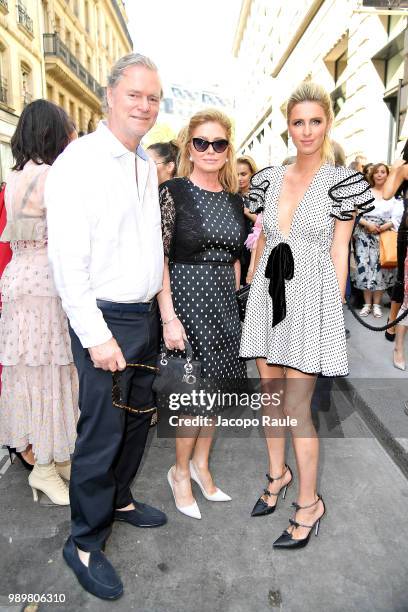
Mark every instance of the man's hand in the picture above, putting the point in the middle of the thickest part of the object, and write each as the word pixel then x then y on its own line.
pixel 108 356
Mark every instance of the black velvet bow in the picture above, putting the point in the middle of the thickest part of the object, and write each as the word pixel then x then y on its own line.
pixel 280 267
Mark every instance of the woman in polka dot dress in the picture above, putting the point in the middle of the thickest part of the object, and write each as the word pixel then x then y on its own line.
pixel 203 235
pixel 294 323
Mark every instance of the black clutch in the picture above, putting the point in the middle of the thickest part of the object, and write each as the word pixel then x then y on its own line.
pixel 177 374
pixel 242 299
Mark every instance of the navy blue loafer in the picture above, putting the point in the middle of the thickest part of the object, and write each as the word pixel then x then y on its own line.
pixel 142 516
pixel 99 578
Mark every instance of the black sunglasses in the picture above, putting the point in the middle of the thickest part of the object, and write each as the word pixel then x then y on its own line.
pixel 202 145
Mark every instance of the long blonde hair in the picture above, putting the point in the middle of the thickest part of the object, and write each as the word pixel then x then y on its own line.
pixel 312 92
pixel 228 173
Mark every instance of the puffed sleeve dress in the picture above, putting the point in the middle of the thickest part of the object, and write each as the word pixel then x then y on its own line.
pixel 294 315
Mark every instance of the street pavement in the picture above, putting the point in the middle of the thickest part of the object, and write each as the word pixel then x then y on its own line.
pixel 225 562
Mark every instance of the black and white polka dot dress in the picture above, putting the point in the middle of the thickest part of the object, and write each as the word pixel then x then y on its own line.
pixel 294 315
pixel 203 234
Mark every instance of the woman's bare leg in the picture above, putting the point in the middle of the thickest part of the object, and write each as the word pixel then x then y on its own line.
pixel 399 353
pixel 185 441
pixel 393 315
pixel 368 296
pixel 377 295
pixel 299 392
pixel 272 381
pixel 201 457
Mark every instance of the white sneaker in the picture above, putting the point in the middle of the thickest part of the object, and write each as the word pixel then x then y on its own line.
pixel 192 510
pixel 365 311
pixel 218 496
pixel 377 312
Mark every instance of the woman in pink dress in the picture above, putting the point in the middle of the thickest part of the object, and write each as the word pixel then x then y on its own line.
pixel 39 399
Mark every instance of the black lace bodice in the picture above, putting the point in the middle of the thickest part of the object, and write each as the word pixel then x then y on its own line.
pixel 200 226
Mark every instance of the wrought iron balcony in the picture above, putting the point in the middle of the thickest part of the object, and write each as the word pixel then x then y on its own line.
pixel 3 90
pixel 23 17
pixel 53 45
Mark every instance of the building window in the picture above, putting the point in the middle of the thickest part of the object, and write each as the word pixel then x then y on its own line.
pixel 72 110
pixel 26 84
pixel 394 70
pixel 107 36
pixel 336 60
pixel 50 92
pixel 285 137
pixel 167 106
pixel 24 18
pixel 68 39
pixel 87 15
pixel 260 136
pixel 61 100
pixel 3 80
pixel 80 120
pixel 340 65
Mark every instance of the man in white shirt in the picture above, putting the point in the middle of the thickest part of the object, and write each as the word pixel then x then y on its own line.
pixel 106 250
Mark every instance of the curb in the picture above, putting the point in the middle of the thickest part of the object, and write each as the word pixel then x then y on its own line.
pixel 394 449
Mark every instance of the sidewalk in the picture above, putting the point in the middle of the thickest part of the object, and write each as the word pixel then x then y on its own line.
pixel 380 391
pixel 225 562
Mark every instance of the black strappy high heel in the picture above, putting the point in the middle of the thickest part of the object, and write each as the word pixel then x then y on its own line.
pixel 261 508
pixel 287 541
pixel 12 451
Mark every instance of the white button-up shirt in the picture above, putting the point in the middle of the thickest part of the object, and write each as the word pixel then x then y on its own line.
pixel 104 229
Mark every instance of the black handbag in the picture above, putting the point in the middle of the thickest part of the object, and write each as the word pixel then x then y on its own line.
pixel 177 374
pixel 242 299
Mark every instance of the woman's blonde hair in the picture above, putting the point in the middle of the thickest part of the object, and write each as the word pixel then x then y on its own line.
pixel 312 92
pixel 228 173
pixel 246 159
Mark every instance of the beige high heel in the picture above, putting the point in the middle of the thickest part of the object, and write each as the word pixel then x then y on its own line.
pixel 45 478
pixel 64 470
pixel 400 365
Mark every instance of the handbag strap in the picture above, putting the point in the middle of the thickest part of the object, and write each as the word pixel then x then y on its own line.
pixel 187 347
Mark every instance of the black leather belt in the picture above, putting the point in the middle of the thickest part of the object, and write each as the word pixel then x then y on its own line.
pixel 126 307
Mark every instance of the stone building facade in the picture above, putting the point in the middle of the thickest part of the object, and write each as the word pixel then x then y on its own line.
pixel 60 50
pixel 358 53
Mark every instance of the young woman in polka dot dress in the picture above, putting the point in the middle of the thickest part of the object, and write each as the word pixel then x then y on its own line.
pixel 203 236
pixel 294 321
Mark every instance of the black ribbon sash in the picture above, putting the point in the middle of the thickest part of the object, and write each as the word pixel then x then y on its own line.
pixel 280 267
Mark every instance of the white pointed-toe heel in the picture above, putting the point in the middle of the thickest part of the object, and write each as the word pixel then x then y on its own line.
pixel 193 511
pixel 218 496
pixel 400 365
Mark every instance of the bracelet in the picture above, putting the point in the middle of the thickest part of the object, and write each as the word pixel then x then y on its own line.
pixel 170 320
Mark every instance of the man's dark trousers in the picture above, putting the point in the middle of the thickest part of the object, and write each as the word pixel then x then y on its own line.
pixel 110 440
